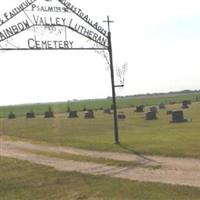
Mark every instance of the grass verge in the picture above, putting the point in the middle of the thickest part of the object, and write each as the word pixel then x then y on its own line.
pixel 21 180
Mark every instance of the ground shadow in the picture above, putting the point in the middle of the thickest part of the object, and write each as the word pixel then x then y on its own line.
pixel 140 155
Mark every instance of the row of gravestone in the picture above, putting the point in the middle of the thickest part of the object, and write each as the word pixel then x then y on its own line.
pixel 72 114
pixel 49 114
pixel 152 114
pixel 177 116
pixel 140 108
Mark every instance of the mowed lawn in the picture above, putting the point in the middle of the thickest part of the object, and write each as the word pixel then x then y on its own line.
pixel 159 137
pixel 20 180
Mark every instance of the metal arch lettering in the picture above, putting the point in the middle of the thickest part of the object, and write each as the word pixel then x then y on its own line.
pixel 14 30
pixel 81 15
pixel 11 14
pixel 24 25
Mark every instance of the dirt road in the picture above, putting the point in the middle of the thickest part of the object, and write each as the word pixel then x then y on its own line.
pixel 176 171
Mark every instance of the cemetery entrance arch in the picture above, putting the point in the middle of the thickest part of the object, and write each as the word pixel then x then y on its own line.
pixel 56 25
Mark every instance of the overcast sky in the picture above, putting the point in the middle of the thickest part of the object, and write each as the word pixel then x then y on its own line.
pixel 160 41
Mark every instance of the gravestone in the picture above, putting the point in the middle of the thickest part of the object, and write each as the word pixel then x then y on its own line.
pixel 30 115
pixel 73 114
pixel 11 115
pixel 89 114
pixel 154 109
pixel 139 108
pixel 121 116
pixel 49 114
pixel 177 116
pixel 151 116
pixel 162 106
pixel 185 104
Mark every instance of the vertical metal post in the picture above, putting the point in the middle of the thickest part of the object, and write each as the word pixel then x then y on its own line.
pixel 113 89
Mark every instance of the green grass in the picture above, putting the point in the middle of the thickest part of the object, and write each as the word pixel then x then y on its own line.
pixel 157 137
pixel 96 104
pixel 20 180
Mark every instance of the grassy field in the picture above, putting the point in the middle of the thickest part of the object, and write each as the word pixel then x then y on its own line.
pixel 159 137
pixel 20 180
pixel 97 104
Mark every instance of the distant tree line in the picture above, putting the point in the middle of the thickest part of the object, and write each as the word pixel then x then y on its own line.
pixel 160 93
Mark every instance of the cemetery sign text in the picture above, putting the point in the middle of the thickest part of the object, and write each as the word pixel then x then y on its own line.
pixel 65 17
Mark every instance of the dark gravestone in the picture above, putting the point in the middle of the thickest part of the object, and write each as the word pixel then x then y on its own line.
pixel 11 115
pixel 139 108
pixel 151 116
pixel 121 116
pixel 161 106
pixel 177 116
pixel 30 115
pixel 89 114
pixel 185 104
pixel 108 111
pixel 73 114
pixel 48 114
pixel 154 109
